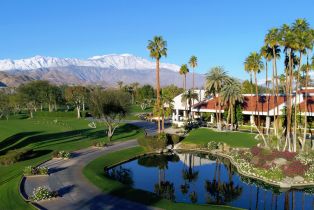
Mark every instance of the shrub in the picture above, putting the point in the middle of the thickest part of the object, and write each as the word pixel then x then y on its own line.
pixel 152 143
pixel 295 168
pixel 98 144
pixel 13 156
pixel 256 150
pixel 43 193
pixel 29 170
pixel 285 154
pixel 61 154
pixel 212 145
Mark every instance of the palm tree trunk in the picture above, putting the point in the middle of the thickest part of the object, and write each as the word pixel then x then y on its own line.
pixel 257 99
pixel 295 107
pixel 267 127
pixel 232 117
pixel 276 119
pixel 184 81
pixel 251 94
pixel 158 93
pixel 289 104
pixel 219 113
pixel 305 102
pixel 229 112
pixel 193 80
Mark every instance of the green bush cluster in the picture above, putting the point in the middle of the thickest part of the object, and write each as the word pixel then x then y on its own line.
pixel 30 170
pixel 61 154
pixel 212 145
pixel 43 193
pixel 152 143
pixel 14 156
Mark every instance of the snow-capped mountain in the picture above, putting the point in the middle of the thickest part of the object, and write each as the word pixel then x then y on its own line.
pixel 116 61
pixel 104 70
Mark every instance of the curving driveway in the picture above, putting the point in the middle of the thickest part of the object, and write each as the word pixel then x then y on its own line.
pixel 77 193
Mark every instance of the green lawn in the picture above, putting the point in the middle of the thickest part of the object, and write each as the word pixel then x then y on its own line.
pixel 135 110
pixel 45 133
pixel 94 171
pixel 234 139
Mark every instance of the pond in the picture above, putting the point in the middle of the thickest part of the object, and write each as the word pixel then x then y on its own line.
pixel 205 179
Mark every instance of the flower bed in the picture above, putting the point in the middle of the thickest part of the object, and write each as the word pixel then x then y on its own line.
pixel 275 166
pixel 33 171
pixel 43 193
pixel 61 154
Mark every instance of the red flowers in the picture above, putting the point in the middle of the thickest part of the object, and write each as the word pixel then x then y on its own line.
pixel 294 168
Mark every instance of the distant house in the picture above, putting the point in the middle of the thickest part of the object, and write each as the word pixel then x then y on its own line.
pixel 181 108
pixel 265 107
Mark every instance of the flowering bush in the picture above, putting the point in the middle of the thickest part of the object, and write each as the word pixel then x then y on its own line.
pixel 61 154
pixel 30 170
pixel 212 145
pixel 295 168
pixel 256 150
pixel 285 154
pixel 306 158
pixel 43 193
pixel 309 174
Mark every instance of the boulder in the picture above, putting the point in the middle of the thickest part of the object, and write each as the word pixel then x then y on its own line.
pixel 298 179
pixel 280 162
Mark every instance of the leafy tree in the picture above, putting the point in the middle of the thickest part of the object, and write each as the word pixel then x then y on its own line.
pixel 111 106
pixel 77 96
pixel 145 96
pixel 157 49
pixel 4 105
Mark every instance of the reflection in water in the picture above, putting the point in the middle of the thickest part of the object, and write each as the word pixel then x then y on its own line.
pixel 200 178
pixel 165 190
pixel 121 174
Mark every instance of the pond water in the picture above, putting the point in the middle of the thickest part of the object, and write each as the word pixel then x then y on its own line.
pixel 201 178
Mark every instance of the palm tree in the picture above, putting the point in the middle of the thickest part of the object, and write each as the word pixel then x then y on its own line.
pixel 272 39
pixel 303 35
pixel 189 96
pixel 183 71
pixel 289 41
pixel 193 64
pixel 216 78
pixel 230 94
pixel 157 49
pixel 254 64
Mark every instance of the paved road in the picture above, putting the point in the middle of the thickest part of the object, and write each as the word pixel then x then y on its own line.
pixel 77 193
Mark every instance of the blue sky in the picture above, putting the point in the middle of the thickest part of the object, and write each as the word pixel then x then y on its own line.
pixel 217 32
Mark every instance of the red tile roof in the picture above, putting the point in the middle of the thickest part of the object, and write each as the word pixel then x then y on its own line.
pixel 310 104
pixel 249 103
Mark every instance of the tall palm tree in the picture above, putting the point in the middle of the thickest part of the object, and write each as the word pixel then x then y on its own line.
pixel 183 71
pixel 157 49
pixel 266 53
pixel 216 78
pixel 189 96
pixel 193 63
pixel 272 39
pixel 255 64
pixel 230 94
pixel 303 35
pixel 289 41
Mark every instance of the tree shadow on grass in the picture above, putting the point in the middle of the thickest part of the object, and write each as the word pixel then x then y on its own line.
pixel 15 138
pixel 46 138
pixel 127 129
pixel 35 154
pixel 122 198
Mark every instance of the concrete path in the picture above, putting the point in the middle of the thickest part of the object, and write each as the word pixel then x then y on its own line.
pixel 77 193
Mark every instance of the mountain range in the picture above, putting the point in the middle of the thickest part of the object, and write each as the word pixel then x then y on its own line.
pixel 104 70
